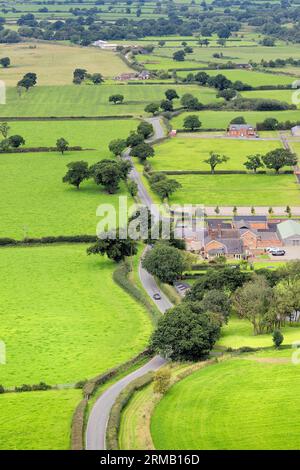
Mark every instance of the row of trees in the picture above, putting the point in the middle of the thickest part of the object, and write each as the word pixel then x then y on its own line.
pixel 81 75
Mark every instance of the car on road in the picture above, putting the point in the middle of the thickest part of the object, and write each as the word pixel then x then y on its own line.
pixel 278 253
pixel 157 296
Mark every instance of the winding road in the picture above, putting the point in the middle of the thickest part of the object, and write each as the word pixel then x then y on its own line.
pixel 98 419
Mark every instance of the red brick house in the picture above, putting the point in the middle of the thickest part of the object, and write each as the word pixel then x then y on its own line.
pixel 241 130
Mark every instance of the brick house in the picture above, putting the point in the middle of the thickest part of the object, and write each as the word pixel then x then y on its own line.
pixel 241 130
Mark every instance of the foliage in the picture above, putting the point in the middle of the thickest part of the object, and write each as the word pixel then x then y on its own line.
pixel 162 379
pixel 165 262
pixel 114 245
pixel 77 173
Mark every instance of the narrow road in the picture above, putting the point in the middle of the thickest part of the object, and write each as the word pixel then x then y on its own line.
pixel 98 419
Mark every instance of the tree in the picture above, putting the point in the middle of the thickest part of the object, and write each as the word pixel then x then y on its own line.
pixel 115 245
pixel 166 105
pixel 165 262
pixel 252 302
pixel 62 145
pixel 216 301
pixel 97 78
pixel 228 94
pixel 179 56
pixel 277 338
pixel 79 75
pixel 269 124
pixel 165 187
pixel 5 62
pixel 152 108
pixel 107 173
pixel 16 141
pixel 171 94
pixel 142 151
pixel 190 102
pixel 4 129
pixel 145 128
pixel 161 43
pixel 162 379
pixel 191 122
pixel 278 158
pixel 117 99
pixel 28 81
pixel 214 160
pixel 238 120
pixel 133 188
pixel 254 162
pixel 222 42
pixel 201 78
pixel 77 173
pixel 134 139
pixel 117 146
pixel 185 334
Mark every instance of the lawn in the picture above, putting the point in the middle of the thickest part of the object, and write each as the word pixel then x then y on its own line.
pixel 54 63
pixel 37 420
pixel 84 100
pixel 63 318
pixel 239 333
pixel 236 404
pixel 190 153
pixel 87 134
pixel 221 119
pixel 240 190
pixel 250 77
pixel 35 202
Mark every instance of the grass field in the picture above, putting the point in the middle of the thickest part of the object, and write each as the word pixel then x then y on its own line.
pixel 250 77
pixel 56 332
pixel 221 119
pixel 243 190
pixel 239 333
pixel 280 95
pixel 190 153
pixel 87 134
pixel 237 404
pixel 43 419
pixel 87 100
pixel 54 64
pixel 39 204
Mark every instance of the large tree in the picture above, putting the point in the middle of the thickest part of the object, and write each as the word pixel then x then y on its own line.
pixel 134 139
pixel 185 333
pixel 192 122
pixel 116 99
pixel 171 94
pixel 77 173
pixel 145 129
pixel 117 146
pixel 108 174
pixel 254 162
pixel 142 152
pixel 165 262
pixel 278 158
pixel 114 245
pixel 214 160
pixel 152 108
pixel 165 187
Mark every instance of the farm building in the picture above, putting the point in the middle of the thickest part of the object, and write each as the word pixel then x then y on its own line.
pixel 241 130
pixel 289 232
pixel 105 45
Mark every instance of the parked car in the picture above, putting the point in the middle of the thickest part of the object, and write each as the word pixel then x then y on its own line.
pixel 157 296
pixel 278 253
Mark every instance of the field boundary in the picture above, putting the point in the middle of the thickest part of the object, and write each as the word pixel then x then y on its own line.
pixel 66 118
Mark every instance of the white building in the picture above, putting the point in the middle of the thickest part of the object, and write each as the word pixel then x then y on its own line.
pixel 105 45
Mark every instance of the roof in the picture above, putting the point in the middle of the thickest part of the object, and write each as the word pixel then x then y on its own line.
pixel 250 218
pixel 218 223
pixel 232 246
pixel 288 229
pixel 238 127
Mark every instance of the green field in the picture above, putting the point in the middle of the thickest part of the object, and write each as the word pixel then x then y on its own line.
pixel 240 190
pixel 84 100
pixel 63 318
pixel 280 95
pixel 54 63
pixel 37 420
pixel 40 204
pixel 250 77
pixel 237 404
pixel 221 119
pixel 87 134
pixel 239 333
pixel 190 153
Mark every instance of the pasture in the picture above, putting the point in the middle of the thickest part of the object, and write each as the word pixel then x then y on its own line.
pixel 243 190
pixel 55 331
pixel 36 203
pixel 92 100
pixel 189 153
pixel 54 63
pixel 221 119
pixel 280 95
pixel 222 407
pixel 43 419
pixel 86 134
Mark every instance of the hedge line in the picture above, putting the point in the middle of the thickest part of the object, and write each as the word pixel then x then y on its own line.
pixel 200 130
pixel 112 441
pixel 40 149
pixel 217 172
pixel 48 240
pixel 77 426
